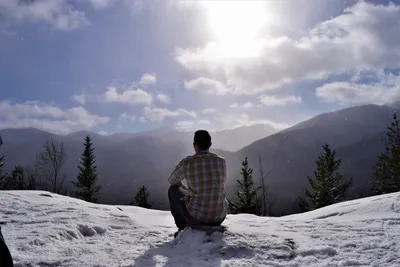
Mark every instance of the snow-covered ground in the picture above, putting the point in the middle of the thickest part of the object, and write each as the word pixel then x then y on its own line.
pixel 44 229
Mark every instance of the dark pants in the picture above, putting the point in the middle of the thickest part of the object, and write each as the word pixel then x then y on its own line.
pixel 5 255
pixel 179 211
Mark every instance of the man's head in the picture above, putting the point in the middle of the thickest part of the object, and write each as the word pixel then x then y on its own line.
pixel 202 140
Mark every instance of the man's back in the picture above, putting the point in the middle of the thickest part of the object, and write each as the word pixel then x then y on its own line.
pixel 205 174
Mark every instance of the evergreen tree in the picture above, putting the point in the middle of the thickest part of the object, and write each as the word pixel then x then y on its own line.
pixel 3 174
pixel 386 176
pixel 16 180
pixel 301 205
pixel 31 178
pixel 326 188
pixel 142 198
pixel 247 199
pixel 86 187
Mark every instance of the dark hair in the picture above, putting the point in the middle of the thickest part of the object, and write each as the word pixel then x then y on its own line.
pixel 202 139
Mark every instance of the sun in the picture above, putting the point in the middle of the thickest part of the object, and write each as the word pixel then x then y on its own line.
pixel 235 25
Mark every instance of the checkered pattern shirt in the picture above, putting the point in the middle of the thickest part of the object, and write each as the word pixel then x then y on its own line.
pixel 205 174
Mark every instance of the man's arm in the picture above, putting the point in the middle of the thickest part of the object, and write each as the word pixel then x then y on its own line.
pixel 177 174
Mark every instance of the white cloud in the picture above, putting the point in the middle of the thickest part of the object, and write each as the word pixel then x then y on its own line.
pixel 101 4
pixel 188 125
pixel 209 111
pixel 47 117
pixel 246 105
pixel 230 122
pixel 148 78
pixel 365 36
pixel 104 133
pixel 386 90
pixel 185 112
pixel 127 116
pixel 81 99
pixel 159 114
pixel 164 98
pixel 128 97
pixel 270 100
pixel 207 86
pixel 60 14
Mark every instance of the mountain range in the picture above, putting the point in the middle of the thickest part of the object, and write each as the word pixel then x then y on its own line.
pixel 127 161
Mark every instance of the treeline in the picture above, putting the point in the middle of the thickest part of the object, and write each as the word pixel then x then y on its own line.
pixel 326 186
pixel 46 174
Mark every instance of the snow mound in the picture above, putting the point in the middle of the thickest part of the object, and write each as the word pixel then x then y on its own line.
pixel 45 229
pixel 379 207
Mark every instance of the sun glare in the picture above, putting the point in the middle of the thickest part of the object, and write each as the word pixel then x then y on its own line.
pixel 236 24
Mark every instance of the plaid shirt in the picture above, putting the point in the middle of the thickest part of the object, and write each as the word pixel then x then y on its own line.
pixel 205 174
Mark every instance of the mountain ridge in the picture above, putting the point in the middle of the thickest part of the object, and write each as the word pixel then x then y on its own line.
pixel 126 165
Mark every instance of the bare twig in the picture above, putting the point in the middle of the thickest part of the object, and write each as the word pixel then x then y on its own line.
pixel 49 162
pixel 264 187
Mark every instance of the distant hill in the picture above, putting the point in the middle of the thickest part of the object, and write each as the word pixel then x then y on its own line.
pixel 355 133
pixel 229 140
pixel 127 161
pixel 235 139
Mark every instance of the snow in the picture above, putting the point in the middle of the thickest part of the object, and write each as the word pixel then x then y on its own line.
pixel 45 229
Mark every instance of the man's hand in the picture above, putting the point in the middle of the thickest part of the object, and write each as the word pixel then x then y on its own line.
pixel 183 186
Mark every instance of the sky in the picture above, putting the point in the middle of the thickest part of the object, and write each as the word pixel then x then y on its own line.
pixel 130 65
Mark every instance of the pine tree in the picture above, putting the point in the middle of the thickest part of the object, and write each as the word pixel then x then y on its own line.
pixel 31 178
pixel 86 187
pixel 16 179
pixel 386 176
pixel 326 187
pixel 247 199
pixel 302 204
pixel 142 198
pixel 3 174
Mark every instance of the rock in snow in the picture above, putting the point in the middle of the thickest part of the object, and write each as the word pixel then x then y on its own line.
pixel 62 231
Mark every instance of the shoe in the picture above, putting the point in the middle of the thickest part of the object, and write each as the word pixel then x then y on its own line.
pixel 177 232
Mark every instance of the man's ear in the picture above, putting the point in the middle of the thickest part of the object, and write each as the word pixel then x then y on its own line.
pixel 210 144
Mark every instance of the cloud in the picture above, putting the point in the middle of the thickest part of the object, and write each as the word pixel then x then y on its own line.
pixel 385 90
pixel 270 100
pixel 104 133
pixel 159 114
pixel 127 116
pixel 81 99
pixel 209 111
pixel 128 97
pixel 230 122
pixel 47 117
pixel 148 78
pixel 365 36
pixel 246 105
pixel 207 86
pixel 102 4
pixel 164 98
pixel 188 125
pixel 59 14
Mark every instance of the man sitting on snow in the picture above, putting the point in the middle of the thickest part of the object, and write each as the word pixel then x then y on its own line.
pixel 202 201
